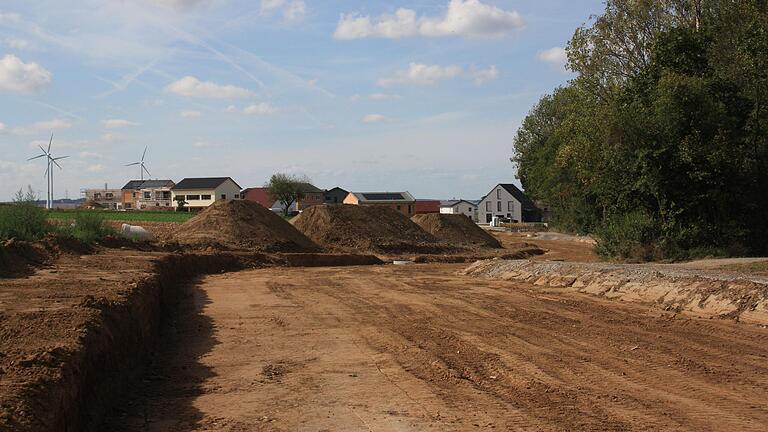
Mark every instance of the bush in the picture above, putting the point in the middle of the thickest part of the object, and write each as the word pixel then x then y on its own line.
pixel 629 237
pixel 88 227
pixel 23 219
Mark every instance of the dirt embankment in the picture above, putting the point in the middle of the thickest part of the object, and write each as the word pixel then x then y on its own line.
pixel 242 225
pixel 374 229
pixel 709 294
pixel 456 230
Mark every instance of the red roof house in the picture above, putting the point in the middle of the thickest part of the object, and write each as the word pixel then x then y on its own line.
pixel 259 195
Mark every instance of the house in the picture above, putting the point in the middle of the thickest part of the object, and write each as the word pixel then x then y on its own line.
pixel 506 200
pixel 259 195
pixel 312 196
pixel 148 195
pixel 106 198
pixel 403 202
pixel 467 208
pixel 426 206
pixel 335 195
pixel 202 192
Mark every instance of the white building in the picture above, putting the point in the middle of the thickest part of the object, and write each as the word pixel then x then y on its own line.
pixel 202 192
pixel 464 207
pixel 505 200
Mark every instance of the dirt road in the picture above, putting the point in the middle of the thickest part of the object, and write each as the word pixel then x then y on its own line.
pixel 417 348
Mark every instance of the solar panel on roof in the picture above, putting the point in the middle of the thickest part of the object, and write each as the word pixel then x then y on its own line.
pixel 383 196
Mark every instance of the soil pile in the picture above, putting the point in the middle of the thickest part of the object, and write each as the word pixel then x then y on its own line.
pixel 242 225
pixel 456 229
pixel 365 228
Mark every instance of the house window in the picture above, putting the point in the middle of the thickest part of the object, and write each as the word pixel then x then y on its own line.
pixel 110 195
pixel 498 193
pixel 498 206
pixel 97 195
pixel 180 198
pixel 193 197
pixel 488 206
pixel 205 197
pixel 223 196
pixel 510 206
pixel 410 208
pixel 398 207
pixel 147 195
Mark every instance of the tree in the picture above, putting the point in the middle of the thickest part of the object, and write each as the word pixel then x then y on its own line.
pixel 287 189
pixel 180 203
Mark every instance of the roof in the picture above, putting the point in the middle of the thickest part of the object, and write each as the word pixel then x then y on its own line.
pixel 519 195
pixel 202 183
pixel 386 197
pixel 337 189
pixel 452 203
pixel 310 188
pixel 144 184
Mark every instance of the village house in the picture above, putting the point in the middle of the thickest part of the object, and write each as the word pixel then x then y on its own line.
pixel 147 195
pixel 105 198
pixel 424 206
pixel 199 193
pixel 505 200
pixel 312 196
pixel 463 207
pixel 403 202
pixel 335 195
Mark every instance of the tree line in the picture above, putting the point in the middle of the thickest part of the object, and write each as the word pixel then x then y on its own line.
pixel 659 145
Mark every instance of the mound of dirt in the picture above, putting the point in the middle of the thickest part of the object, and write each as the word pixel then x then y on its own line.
pixel 456 229
pixel 91 205
pixel 242 225
pixel 365 228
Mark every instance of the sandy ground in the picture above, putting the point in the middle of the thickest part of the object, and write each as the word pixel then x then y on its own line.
pixel 419 348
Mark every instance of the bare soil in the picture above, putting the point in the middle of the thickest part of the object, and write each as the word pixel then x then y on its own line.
pixel 242 224
pixel 557 250
pixel 456 229
pixel 372 229
pixel 422 348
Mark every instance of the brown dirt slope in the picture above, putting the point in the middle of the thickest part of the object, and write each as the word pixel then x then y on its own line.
pixel 455 229
pixel 242 225
pixel 369 228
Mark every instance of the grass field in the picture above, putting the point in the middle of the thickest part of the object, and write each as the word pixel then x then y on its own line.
pixel 139 216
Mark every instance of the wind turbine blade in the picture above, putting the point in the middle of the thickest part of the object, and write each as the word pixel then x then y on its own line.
pixel 60 157
pixel 146 170
pixel 36 157
pixel 41 148
pixel 132 164
pixel 57 164
pixel 49 143
pixel 144 154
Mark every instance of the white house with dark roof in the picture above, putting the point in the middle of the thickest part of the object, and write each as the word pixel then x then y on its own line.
pixel 506 200
pixel 201 192
pixel 463 207
pixel 403 202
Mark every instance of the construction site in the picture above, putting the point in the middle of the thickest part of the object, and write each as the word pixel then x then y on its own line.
pixel 352 318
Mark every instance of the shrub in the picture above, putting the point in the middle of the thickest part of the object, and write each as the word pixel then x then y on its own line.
pixel 629 236
pixel 23 219
pixel 88 227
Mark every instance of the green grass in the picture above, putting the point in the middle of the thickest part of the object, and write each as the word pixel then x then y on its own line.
pixel 139 216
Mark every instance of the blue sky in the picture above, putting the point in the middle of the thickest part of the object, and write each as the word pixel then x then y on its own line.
pixel 423 96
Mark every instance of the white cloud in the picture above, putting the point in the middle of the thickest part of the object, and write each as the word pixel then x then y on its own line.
pixel 555 56
pixel 42 126
pixel 382 96
pixel 482 76
pixel 295 11
pixel 423 74
pixel 190 86
pixel 118 123
pixel 97 168
pixel 231 109
pixel 190 114
pixel 270 6
pixel 3 129
pixel 177 4
pixel 374 118
pixel 17 76
pixel 90 155
pixel 468 18
pixel 16 43
pixel 263 108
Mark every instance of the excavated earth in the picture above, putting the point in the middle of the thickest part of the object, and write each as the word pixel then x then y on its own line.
pixel 241 225
pixel 366 228
pixel 456 229
pixel 130 340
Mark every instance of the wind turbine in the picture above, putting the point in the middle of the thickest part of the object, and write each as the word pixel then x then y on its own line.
pixel 140 163
pixel 51 161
